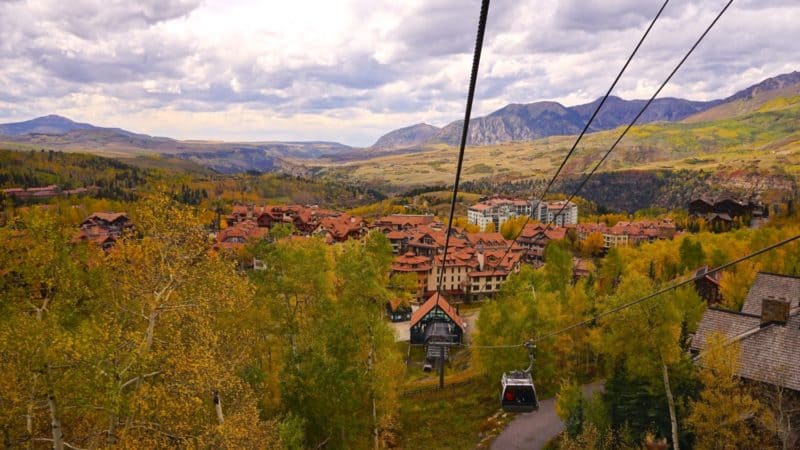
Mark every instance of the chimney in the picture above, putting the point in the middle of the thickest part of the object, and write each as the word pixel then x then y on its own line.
pixel 774 310
pixel 481 260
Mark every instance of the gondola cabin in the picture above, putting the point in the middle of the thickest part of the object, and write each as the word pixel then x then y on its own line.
pixel 436 321
pixel 518 393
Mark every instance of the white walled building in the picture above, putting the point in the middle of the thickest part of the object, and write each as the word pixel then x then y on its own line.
pixel 559 213
pixel 497 210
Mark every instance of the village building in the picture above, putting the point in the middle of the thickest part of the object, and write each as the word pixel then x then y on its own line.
pixel 581 268
pixel 340 228
pixel 496 210
pixel 43 192
pixel 47 192
pixel 625 233
pixel 491 271
pixel 398 240
pixel 707 285
pixel 103 228
pixel 402 222
pixel 239 234
pixel 426 241
pixel 419 265
pixel 453 274
pixel 558 213
pixel 767 331
pixel 334 226
pixel 535 237
pixel 471 274
pixel 477 263
pixel 721 213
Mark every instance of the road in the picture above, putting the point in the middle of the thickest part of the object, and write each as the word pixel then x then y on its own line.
pixel 532 431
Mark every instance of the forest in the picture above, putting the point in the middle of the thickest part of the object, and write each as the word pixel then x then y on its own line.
pixel 163 341
pixel 143 346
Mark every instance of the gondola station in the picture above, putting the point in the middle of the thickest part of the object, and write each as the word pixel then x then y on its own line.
pixel 436 322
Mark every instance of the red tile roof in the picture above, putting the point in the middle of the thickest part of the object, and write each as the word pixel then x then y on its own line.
pixel 404 219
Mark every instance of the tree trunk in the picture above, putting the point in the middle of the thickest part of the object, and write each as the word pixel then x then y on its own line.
pixel 375 431
pixel 151 327
pixel 55 419
pixel 55 423
pixel 29 423
pixel 111 439
pixel 671 403
pixel 218 408
pixel 370 363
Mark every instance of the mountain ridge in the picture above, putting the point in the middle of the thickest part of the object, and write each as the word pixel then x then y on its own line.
pixel 513 122
pixel 529 121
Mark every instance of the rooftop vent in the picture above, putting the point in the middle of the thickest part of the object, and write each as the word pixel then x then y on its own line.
pixel 774 310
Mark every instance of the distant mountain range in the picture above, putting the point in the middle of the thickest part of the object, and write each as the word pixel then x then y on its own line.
pixel 44 125
pixel 514 122
pixel 525 122
pixel 60 133
pixel 404 137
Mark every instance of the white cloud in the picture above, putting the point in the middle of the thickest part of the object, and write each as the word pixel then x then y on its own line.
pixel 351 70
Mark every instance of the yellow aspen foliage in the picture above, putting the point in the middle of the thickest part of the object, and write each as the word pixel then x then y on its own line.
pixel 725 416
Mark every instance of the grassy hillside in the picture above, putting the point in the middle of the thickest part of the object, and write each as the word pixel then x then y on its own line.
pixel 766 139
pixel 747 105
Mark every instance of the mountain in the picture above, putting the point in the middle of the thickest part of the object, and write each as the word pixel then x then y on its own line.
pixel 51 124
pixel 617 112
pixel 763 141
pixel 515 122
pixel 59 133
pixel 752 98
pixel 525 122
pixel 406 137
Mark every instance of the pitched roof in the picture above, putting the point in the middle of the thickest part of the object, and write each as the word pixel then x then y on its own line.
pixel 247 229
pixel 730 323
pixel 108 217
pixel 404 219
pixel 430 304
pixel 398 235
pixel 481 207
pixel 771 285
pixel 487 238
pixel 770 355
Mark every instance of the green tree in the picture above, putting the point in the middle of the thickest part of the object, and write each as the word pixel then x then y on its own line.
pixel 592 245
pixel 513 226
pixel 558 267
pixel 648 337
pixel 692 254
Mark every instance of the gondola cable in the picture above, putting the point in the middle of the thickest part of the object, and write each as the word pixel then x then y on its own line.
pixel 671 287
pixel 621 136
pixel 476 59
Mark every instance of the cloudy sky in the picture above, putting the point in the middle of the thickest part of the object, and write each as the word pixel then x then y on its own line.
pixel 351 70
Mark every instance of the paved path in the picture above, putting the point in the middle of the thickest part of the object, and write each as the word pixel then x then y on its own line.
pixel 531 431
